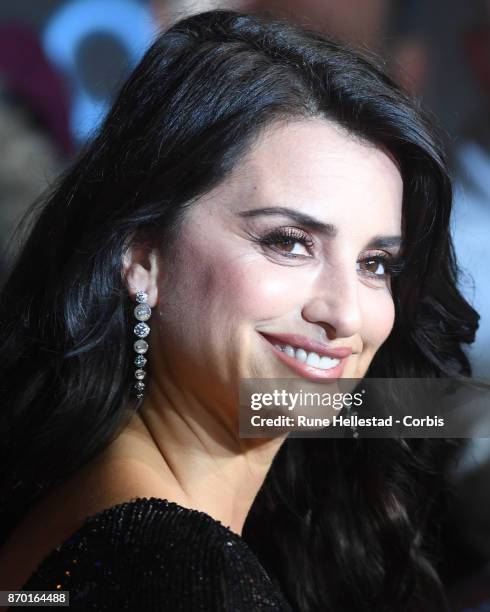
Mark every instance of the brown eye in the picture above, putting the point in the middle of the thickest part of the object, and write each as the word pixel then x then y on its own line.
pixel 381 268
pixel 290 246
pixel 289 242
pixel 373 266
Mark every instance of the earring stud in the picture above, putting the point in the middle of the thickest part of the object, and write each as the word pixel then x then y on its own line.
pixel 142 313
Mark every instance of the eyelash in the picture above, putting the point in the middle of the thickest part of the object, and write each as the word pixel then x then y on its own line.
pixel 393 264
pixel 286 235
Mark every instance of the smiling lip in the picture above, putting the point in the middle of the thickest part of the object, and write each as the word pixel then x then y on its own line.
pixel 303 369
pixel 310 346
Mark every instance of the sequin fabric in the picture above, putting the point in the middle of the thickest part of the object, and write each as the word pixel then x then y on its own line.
pixel 151 554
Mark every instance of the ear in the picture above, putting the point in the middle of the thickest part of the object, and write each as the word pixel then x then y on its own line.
pixel 141 266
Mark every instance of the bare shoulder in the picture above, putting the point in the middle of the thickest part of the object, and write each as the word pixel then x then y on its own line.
pixel 99 485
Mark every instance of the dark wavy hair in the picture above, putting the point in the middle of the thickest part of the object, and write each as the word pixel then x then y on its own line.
pixel 340 524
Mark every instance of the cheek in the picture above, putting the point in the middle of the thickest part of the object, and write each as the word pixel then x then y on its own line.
pixel 378 317
pixel 227 291
pixel 260 290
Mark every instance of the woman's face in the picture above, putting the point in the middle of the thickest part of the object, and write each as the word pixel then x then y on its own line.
pixel 283 263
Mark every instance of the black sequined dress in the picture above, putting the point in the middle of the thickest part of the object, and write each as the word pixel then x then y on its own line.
pixel 150 554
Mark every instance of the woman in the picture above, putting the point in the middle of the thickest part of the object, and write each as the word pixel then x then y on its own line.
pixel 255 186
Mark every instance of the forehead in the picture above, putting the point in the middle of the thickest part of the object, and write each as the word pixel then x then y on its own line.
pixel 318 168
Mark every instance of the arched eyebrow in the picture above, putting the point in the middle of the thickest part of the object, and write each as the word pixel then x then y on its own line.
pixel 310 222
pixel 327 229
pixel 385 242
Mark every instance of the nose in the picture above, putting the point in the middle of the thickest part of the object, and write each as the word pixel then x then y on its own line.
pixel 334 302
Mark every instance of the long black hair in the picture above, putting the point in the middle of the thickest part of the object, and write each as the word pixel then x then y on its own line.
pixel 348 515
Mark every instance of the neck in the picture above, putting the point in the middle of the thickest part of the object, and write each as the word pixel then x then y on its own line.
pixel 197 459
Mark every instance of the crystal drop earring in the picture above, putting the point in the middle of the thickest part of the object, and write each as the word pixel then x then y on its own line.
pixel 352 414
pixel 142 312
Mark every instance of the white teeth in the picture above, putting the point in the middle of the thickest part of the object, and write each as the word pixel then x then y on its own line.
pixel 328 362
pixel 301 355
pixel 312 359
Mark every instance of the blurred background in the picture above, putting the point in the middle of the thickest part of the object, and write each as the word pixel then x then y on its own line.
pixel 62 61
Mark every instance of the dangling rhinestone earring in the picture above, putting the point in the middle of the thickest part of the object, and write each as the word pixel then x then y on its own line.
pixel 142 312
pixel 353 427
